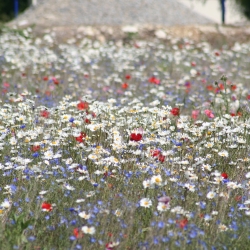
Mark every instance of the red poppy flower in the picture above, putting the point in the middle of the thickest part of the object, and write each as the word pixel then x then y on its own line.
pixel 110 234
pixel 55 81
pixel 233 87
pixel 47 93
pixel 193 64
pixel 135 137
pixel 45 78
pixel 161 158
pixel 182 223
pixel 35 148
pixel 238 198
pixel 224 175
pixel 201 216
pixel 76 232
pixel 47 207
pixel 81 137
pixel 44 113
pixel 188 84
pixel 175 111
pixel 6 85
pixel 155 152
pixel 87 121
pixel 124 85
pixel 154 80
pixel 82 105
pixel 210 88
pixel 128 77
pixel 248 97
pixel 221 86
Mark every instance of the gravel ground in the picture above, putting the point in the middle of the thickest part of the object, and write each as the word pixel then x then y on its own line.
pixel 109 12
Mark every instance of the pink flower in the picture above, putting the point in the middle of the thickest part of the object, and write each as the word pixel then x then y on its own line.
pixel 164 199
pixel 195 114
pixel 209 113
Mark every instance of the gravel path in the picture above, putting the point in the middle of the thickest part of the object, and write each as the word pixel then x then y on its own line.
pixel 110 12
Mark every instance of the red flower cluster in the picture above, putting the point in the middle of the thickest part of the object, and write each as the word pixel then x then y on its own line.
pixel 124 85
pixel 77 233
pixel 128 77
pixel 55 81
pixel 182 223
pixel 175 111
pixel 154 80
pixel 47 207
pixel 81 137
pixel 224 175
pixel 157 154
pixel 236 114
pixel 135 137
pixel 44 113
pixel 35 148
pixel 82 105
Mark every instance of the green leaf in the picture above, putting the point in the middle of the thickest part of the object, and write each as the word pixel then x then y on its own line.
pixel 146 229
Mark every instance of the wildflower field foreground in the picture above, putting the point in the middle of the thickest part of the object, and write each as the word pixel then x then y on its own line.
pixel 137 146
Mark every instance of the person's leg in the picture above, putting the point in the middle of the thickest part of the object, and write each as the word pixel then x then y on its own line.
pixel 223 10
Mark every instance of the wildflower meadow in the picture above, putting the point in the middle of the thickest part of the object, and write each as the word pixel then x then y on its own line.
pixel 140 145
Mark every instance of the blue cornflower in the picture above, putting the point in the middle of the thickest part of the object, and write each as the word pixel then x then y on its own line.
pixel 234 225
pixel 170 221
pixel 156 241
pixel 177 243
pixel 93 240
pixel 193 234
pixel 165 239
pixel 202 204
pixel 72 238
pixel 73 223
pixel 161 224
pixel 36 154
pixel 31 238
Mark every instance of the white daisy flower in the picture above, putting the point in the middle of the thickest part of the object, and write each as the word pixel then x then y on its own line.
pixel 84 215
pixel 145 202
pixel 118 212
pixel 162 206
pixel 88 230
pixel 211 195
pixel 157 180
pixel 223 153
